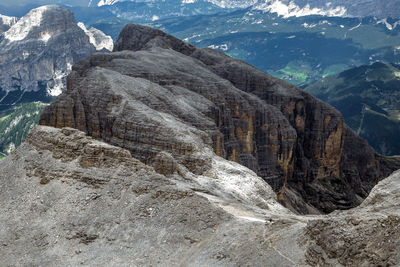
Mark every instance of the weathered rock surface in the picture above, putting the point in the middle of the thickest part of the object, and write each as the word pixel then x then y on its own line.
pixel 37 52
pixel 156 94
pixel 68 199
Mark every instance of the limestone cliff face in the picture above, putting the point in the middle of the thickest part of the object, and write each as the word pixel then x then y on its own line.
pixel 68 199
pixel 37 52
pixel 156 93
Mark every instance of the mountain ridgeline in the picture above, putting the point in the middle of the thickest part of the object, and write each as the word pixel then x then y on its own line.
pixel 156 93
pixel 369 99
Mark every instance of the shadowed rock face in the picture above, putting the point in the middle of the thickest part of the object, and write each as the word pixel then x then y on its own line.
pixel 156 93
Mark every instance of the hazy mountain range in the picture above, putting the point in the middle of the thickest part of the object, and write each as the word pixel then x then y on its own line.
pixel 286 8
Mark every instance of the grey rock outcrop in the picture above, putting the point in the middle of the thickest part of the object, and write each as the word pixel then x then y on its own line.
pixel 156 94
pixel 67 199
pixel 37 53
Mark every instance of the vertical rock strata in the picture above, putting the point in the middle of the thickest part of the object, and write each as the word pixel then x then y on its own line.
pixel 156 93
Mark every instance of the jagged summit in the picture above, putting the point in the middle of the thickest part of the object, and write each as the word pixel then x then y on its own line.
pixel 136 37
pixel 156 93
pixel 98 38
pixel 6 22
pixel 41 23
pixel 37 52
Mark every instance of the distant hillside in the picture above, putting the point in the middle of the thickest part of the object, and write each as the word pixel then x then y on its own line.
pixel 299 50
pixel 369 99
pixel 16 123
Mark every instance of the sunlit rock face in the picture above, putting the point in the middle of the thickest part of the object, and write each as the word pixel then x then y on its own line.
pixel 155 94
pixel 37 52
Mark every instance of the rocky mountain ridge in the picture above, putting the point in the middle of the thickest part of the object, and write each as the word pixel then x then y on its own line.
pixel 37 52
pixel 143 98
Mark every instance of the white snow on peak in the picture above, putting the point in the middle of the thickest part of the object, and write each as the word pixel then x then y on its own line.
pixel 389 26
pixel 233 3
pixel 293 10
pixel 98 38
pixel 20 30
pixel 45 36
pixel 107 2
pixel 10 21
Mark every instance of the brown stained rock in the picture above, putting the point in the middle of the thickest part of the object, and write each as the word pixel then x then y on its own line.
pixel 156 93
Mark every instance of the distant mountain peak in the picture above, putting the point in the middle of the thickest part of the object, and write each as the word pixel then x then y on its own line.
pixel 98 38
pixel 40 23
pixel 291 9
pixel 107 2
pixel 295 8
pixel 38 50
pixel 9 21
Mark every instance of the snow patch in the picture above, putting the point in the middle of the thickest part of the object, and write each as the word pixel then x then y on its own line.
pixel 233 3
pixel 355 27
pixel 389 26
pixel 107 2
pixel 306 25
pixel 25 54
pixel 223 47
pixel 252 219
pixel 259 21
pixel 293 10
pixel 45 36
